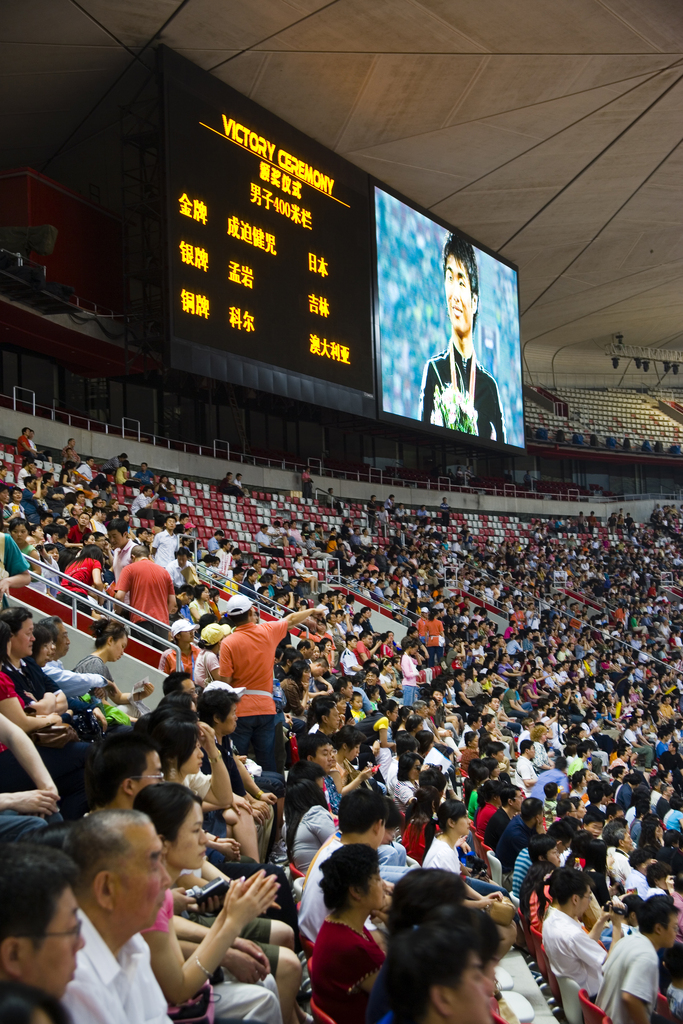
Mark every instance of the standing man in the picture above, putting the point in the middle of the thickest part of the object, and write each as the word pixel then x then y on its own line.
pixel 371 508
pixel 306 484
pixel 166 542
pixel 247 658
pixel 121 545
pixel 445 514
pixel 149 588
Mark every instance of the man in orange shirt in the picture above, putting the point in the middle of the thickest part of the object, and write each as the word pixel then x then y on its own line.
pixel 247 658
pixel 150 589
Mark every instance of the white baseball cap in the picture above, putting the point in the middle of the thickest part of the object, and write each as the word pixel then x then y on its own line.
pixel 217 685
pixel 182 626
pixel 239 604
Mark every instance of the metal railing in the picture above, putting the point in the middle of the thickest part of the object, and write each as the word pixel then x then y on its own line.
pixel 74 599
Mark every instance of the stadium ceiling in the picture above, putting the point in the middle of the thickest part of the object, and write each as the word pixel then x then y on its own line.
pixel 552 132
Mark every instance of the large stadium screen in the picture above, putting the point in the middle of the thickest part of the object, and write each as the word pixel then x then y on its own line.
pixel 269 248
pixel 447 329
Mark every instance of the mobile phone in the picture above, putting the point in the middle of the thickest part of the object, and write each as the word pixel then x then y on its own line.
pixel 375 768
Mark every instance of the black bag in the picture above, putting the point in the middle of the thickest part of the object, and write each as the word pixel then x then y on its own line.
pixel 86 725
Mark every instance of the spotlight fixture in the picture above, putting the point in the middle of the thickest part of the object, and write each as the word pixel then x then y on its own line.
pixel 646 365
pixel 615 363
pixel 667 366
pixel 637 362
pixel 620 339
pixel 674 369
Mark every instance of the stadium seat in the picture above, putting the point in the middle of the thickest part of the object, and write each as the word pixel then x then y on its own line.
pixel 592 1014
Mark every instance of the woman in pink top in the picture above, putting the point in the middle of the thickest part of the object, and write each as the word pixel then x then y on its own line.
pixel 409 673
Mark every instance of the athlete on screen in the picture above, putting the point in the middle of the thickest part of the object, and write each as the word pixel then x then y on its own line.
pixel 457 392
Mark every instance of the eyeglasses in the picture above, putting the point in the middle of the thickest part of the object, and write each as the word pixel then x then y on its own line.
pixel 73 933
pixel 158 776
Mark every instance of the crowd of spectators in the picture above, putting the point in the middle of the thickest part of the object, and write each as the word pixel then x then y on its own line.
pixel 149 858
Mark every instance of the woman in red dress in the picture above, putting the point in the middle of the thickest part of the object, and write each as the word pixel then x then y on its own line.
pixel 346 959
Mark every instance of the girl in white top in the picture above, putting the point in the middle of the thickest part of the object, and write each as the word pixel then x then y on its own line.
pixel 443 853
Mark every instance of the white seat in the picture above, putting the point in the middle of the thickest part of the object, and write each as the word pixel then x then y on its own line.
pixel 571 1004
pixel 496 868
pixel 520 1006
pixel 505 982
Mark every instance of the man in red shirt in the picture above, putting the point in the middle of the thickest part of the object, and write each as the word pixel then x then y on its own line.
pixel 79 529
pixel 247 658
pixel 150 589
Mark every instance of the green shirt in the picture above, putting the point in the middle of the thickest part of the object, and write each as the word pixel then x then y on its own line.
pixel 507 697
pixel 13 561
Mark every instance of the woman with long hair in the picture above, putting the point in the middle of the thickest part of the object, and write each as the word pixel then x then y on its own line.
pixel 420 822
pixel 309 822
pixel 177 816
pixel 407 778
pixel 85 569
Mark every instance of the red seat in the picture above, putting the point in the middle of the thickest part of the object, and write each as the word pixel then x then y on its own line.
pixel 294 871
pixel 663 1007
pixel 530 943
pixel 319 1016
pixel 306 945
pixel 544 965
pixel 592 1014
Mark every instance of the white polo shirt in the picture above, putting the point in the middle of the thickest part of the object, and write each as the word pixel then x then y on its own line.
pixel 571 951
pixel 108 989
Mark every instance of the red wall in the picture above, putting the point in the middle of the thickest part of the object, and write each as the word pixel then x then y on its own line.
pixel 88 253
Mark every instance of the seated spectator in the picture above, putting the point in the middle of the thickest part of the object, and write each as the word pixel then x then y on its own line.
pixel 572 952
pixel 118 768
pixel 443 852
pixel 206 668
pixel 420 822
pixel 347 959
pixel 639 861
pixel 182 634
pixel 27 446
pixel 177 816
pixel 518 833
pixel 145 474
pixel 673 962
pixel 436 972
pixel 362 815
pixel 24 812
pixel 40 933
pixel 200 606
pixel 407 779
pixel 111 640
pixel 182 571
pixel 74 684
pixel 144 502
pixel 541 848
pixel 25 1004
pixel 84 571
pixel 66 763
pixel 510 805
pixel 120 889
pixel 631 975
pixel 309 822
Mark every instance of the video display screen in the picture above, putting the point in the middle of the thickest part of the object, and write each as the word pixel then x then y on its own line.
pixel 268 248
pixel 448 336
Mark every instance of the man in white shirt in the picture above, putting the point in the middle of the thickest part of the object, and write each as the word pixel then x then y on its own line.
pixel 631 977
pixel 142 500
pixel 362 814
pixel 572 951
pixel 166 543
pixel 181 570
pixel 639 860
pixel 349 659
pixel 121 546
pixel 121 887
pixel 525 769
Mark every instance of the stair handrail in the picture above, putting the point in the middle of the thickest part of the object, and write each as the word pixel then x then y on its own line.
pixel 74 597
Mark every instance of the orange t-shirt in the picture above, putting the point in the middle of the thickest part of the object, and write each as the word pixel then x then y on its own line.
pixel 433 629
pixel 247 657
pixel 148 586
